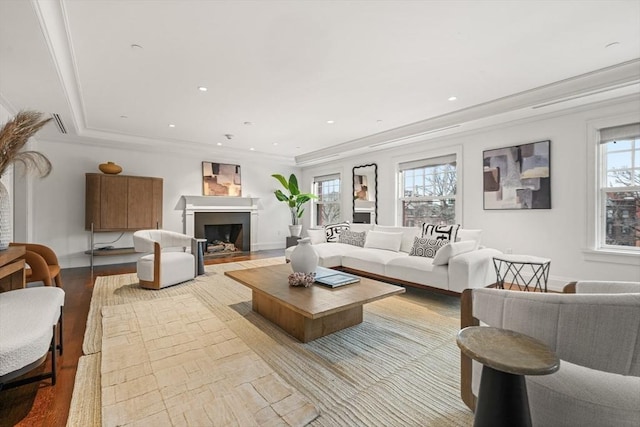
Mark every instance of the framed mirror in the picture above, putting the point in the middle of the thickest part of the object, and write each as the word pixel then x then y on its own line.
pixel 365 194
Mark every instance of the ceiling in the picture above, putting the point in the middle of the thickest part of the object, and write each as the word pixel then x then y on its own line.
pixel 120 72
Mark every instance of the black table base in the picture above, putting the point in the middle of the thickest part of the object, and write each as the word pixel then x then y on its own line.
pixel 502 401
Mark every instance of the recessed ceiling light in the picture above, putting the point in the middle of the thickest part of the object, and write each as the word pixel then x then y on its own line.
pixel 247 123
pixel 124 117
pixel 219 144
pixel 252 149
pixel 202 89
pixel 453 98
pixel 612 44
pixel 275 143
pixel 172 125
pixel 136 46
pixel 330 122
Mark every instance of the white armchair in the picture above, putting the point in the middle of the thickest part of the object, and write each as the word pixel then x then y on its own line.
pixel 168 262
pixel 595 334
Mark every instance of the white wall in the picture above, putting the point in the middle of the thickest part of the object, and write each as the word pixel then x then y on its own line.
pixel 558 233
pixel 58 200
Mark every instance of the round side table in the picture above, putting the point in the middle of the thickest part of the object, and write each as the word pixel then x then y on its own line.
pixel 509 268
pixel 506 357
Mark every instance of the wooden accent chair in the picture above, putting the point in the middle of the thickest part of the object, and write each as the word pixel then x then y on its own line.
pixel 167 263
pixel 43 264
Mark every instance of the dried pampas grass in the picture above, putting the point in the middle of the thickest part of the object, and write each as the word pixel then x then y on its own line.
pixel 14 135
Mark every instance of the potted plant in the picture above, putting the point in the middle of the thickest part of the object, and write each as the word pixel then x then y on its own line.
pixel 294 199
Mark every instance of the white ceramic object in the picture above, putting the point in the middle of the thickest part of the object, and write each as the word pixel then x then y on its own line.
pixel 5 218
pixel 304 258
pixel 295 230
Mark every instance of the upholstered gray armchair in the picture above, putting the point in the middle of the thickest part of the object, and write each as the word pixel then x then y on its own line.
pixel 168 262
pixel 595 333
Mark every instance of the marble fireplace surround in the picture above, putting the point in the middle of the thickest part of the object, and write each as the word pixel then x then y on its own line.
pixel 221 204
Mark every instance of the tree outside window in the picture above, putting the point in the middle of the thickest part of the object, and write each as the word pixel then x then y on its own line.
pixel 621 192
pixel 327 205
pixel 429 192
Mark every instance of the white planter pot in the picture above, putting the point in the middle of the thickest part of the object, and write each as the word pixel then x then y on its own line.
pixel 304 258
pixel 295 230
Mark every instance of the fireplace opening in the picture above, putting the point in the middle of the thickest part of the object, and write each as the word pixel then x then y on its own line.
pixel 227 233
pixel 223 238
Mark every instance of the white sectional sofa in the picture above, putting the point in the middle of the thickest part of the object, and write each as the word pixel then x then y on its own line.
pixel 386 255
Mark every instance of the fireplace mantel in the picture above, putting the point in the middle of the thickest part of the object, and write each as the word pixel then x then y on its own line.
pixel 193 204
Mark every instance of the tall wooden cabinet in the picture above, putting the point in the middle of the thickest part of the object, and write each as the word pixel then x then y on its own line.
pixel 122 203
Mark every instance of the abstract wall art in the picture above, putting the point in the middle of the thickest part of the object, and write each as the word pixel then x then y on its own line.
pixel 221 179
pixel 518 177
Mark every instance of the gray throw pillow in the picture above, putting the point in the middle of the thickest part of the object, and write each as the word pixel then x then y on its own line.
pixel 426 247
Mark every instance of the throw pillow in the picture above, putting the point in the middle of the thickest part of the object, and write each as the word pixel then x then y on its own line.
pixel 317 236
pixel 468 234
pixel 440 232
pixel 426 247
pixel 333 230
pixel 352 238
pixel 408 233
pixel 382 240
pixel 452 249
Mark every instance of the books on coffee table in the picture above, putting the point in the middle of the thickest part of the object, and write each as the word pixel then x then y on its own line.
pixel 334 278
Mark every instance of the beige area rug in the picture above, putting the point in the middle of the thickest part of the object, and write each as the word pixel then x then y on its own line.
pixel 400 367
pixel 171 361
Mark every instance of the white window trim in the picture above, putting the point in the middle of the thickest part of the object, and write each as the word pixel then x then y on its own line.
pixel 441 152
pixel 594 250
pixel 315 202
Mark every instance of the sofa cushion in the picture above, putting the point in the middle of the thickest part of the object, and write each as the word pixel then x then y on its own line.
pixel 352 238
pixel 426 247
pixel 332 230
pixel 578 396
pixel 469 234
pixel 440 232
pixel 369 260
pixel 408 233
pixel 452 249
pixel 330 254
pixel 382 240
pixel 419 270
pixel 317 236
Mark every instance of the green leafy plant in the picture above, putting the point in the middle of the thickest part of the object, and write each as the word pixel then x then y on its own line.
pixel 294 199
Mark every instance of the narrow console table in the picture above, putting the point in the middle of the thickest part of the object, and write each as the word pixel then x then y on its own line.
pixel 507 356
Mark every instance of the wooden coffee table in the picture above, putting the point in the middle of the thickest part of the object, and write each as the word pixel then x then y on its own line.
pixel 309 313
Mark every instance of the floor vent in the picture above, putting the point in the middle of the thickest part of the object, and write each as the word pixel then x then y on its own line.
pixel 58 120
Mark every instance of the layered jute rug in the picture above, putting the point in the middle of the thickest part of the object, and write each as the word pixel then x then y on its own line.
pixel 400 367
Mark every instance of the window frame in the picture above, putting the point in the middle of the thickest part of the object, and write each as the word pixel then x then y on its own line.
pixel 596 248
pixel 429 157
pixel 316 203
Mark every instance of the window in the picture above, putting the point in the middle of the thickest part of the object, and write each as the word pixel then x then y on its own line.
pixel 619 187
pixel 327 205
pixel 428 191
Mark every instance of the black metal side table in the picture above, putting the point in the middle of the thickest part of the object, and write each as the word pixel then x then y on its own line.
pixel 507 356
pixel 510 269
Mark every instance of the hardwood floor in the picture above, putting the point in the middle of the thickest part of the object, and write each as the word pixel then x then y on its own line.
pixel 40 404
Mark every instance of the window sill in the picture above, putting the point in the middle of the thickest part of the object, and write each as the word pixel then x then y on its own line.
pixel 612 256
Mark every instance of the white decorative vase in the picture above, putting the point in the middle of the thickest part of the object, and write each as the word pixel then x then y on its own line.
pixel 295 230
pixel 304 258
pixel 5 218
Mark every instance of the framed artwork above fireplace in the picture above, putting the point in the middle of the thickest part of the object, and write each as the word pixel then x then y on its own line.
pixel 221 179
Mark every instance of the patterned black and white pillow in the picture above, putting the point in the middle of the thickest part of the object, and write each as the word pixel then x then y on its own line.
pixel 333 230
pixel 426 247
pixel 352 237
pixel 440 232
